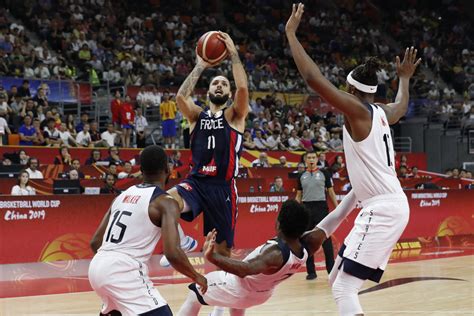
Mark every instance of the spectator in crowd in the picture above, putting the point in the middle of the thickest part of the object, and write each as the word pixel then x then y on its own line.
pixel 51 134
pixel 115 106
pixel 127 120
pixel 248 142
pixel 83 138
pixel 96 137
pixel 22 187
pixel 283 162
pixel 403 172
pixel 168 112
pixel 294 141
pixel 141 124
pixel 175 159
pixel 32 169
pixel 110 135
pixel 114 158
pixel 455 172
pixel 337 167
pixel 305 141
pixel 260 142
pixel 65 136
pixel 84 121
pixel 41 99
pixel 4 129
pixel 27 132
pixel 261 161
pixel 109 186
pixel 127 171
pixel 448 173
pixel 274 141
pixel 71 127
pixel 277 185
pixel 24 89
pixel 335 143
pixel 23 158
pixel 322 162
pixel 6 162
pixel 94 157
pixel 39 140
pixel 414 173
pixel 76 165
pixel 64 157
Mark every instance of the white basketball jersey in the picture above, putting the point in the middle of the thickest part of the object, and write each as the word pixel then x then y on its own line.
pixel 370 162
pixel 130 230
pixel 267 282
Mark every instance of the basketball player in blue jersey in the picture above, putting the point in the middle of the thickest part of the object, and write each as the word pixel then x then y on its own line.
pixel 370 164
pixel 126 238
pixel 216 144
pixel 252 281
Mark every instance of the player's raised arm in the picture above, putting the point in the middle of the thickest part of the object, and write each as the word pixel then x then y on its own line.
pixel 241 101
pixel 183 98
pixel 310 72
pixel 164 212
pixel 405 70
pixel 269 261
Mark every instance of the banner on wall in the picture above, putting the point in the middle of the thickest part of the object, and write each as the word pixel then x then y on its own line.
pixel 60 227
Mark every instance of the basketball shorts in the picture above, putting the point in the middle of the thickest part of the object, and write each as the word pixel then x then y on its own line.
pixel 123 284
pixel 127 126
pixel 218 202
pixel 225 290
pixel 169 128
pixel 377 228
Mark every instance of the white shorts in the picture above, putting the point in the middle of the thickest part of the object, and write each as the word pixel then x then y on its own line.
pixel 377 228
pixel 123 284
pixel 225 290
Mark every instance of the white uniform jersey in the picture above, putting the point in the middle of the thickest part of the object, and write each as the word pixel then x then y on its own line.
pixel 130 230
pixel 267 282
pixel 370 162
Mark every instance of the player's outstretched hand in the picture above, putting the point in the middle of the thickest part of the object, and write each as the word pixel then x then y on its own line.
pixel 407 67
pixel 202 282
pixel 295 18
pixel 210 244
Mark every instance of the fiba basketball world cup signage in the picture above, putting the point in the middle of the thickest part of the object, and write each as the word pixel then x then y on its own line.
pixel 27 210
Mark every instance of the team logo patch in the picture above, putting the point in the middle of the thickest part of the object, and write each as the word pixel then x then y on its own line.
pixel 186 186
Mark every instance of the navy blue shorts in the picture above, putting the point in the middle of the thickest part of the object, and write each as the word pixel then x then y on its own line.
pixel 218 202
pixel 169 128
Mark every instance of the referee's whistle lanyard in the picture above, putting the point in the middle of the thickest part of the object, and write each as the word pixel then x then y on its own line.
pixel 312 170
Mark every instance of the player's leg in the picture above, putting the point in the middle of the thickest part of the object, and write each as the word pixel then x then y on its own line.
pixel 334 270
pixel 191 305
pixel 310 267
pixel 345 291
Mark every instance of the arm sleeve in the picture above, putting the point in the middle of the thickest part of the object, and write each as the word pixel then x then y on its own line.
pixel 332 221
pixel 299 187
pixel 328 179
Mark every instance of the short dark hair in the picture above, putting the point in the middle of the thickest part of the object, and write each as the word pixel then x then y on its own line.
pixel 293 219
pixel 153 160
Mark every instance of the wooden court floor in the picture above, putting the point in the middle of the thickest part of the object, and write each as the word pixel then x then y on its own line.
pixel 429 287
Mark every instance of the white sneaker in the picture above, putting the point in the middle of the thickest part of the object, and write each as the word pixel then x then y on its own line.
pixel 188 244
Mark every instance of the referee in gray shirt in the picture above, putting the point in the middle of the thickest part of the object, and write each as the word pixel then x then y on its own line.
pixel 312 187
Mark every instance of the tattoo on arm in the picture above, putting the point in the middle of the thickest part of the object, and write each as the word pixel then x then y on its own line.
pixel 188 85
pixel 235 58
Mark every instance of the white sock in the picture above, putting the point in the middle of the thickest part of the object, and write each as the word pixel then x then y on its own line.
pixel 345 291
pixel 218 311
pixel 191 306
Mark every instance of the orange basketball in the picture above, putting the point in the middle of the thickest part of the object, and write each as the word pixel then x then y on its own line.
pixel 211 48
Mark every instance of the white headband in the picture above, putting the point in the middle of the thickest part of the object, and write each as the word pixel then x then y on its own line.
pixel 360 86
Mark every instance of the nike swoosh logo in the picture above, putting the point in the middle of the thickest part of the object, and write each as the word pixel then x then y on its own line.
pixel 401 281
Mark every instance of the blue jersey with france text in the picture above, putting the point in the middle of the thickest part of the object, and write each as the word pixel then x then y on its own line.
pixel 215 148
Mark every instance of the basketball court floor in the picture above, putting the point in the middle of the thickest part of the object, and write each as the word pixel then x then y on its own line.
pixel 435 281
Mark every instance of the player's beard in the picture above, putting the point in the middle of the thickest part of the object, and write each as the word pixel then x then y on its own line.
pixel 218 100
